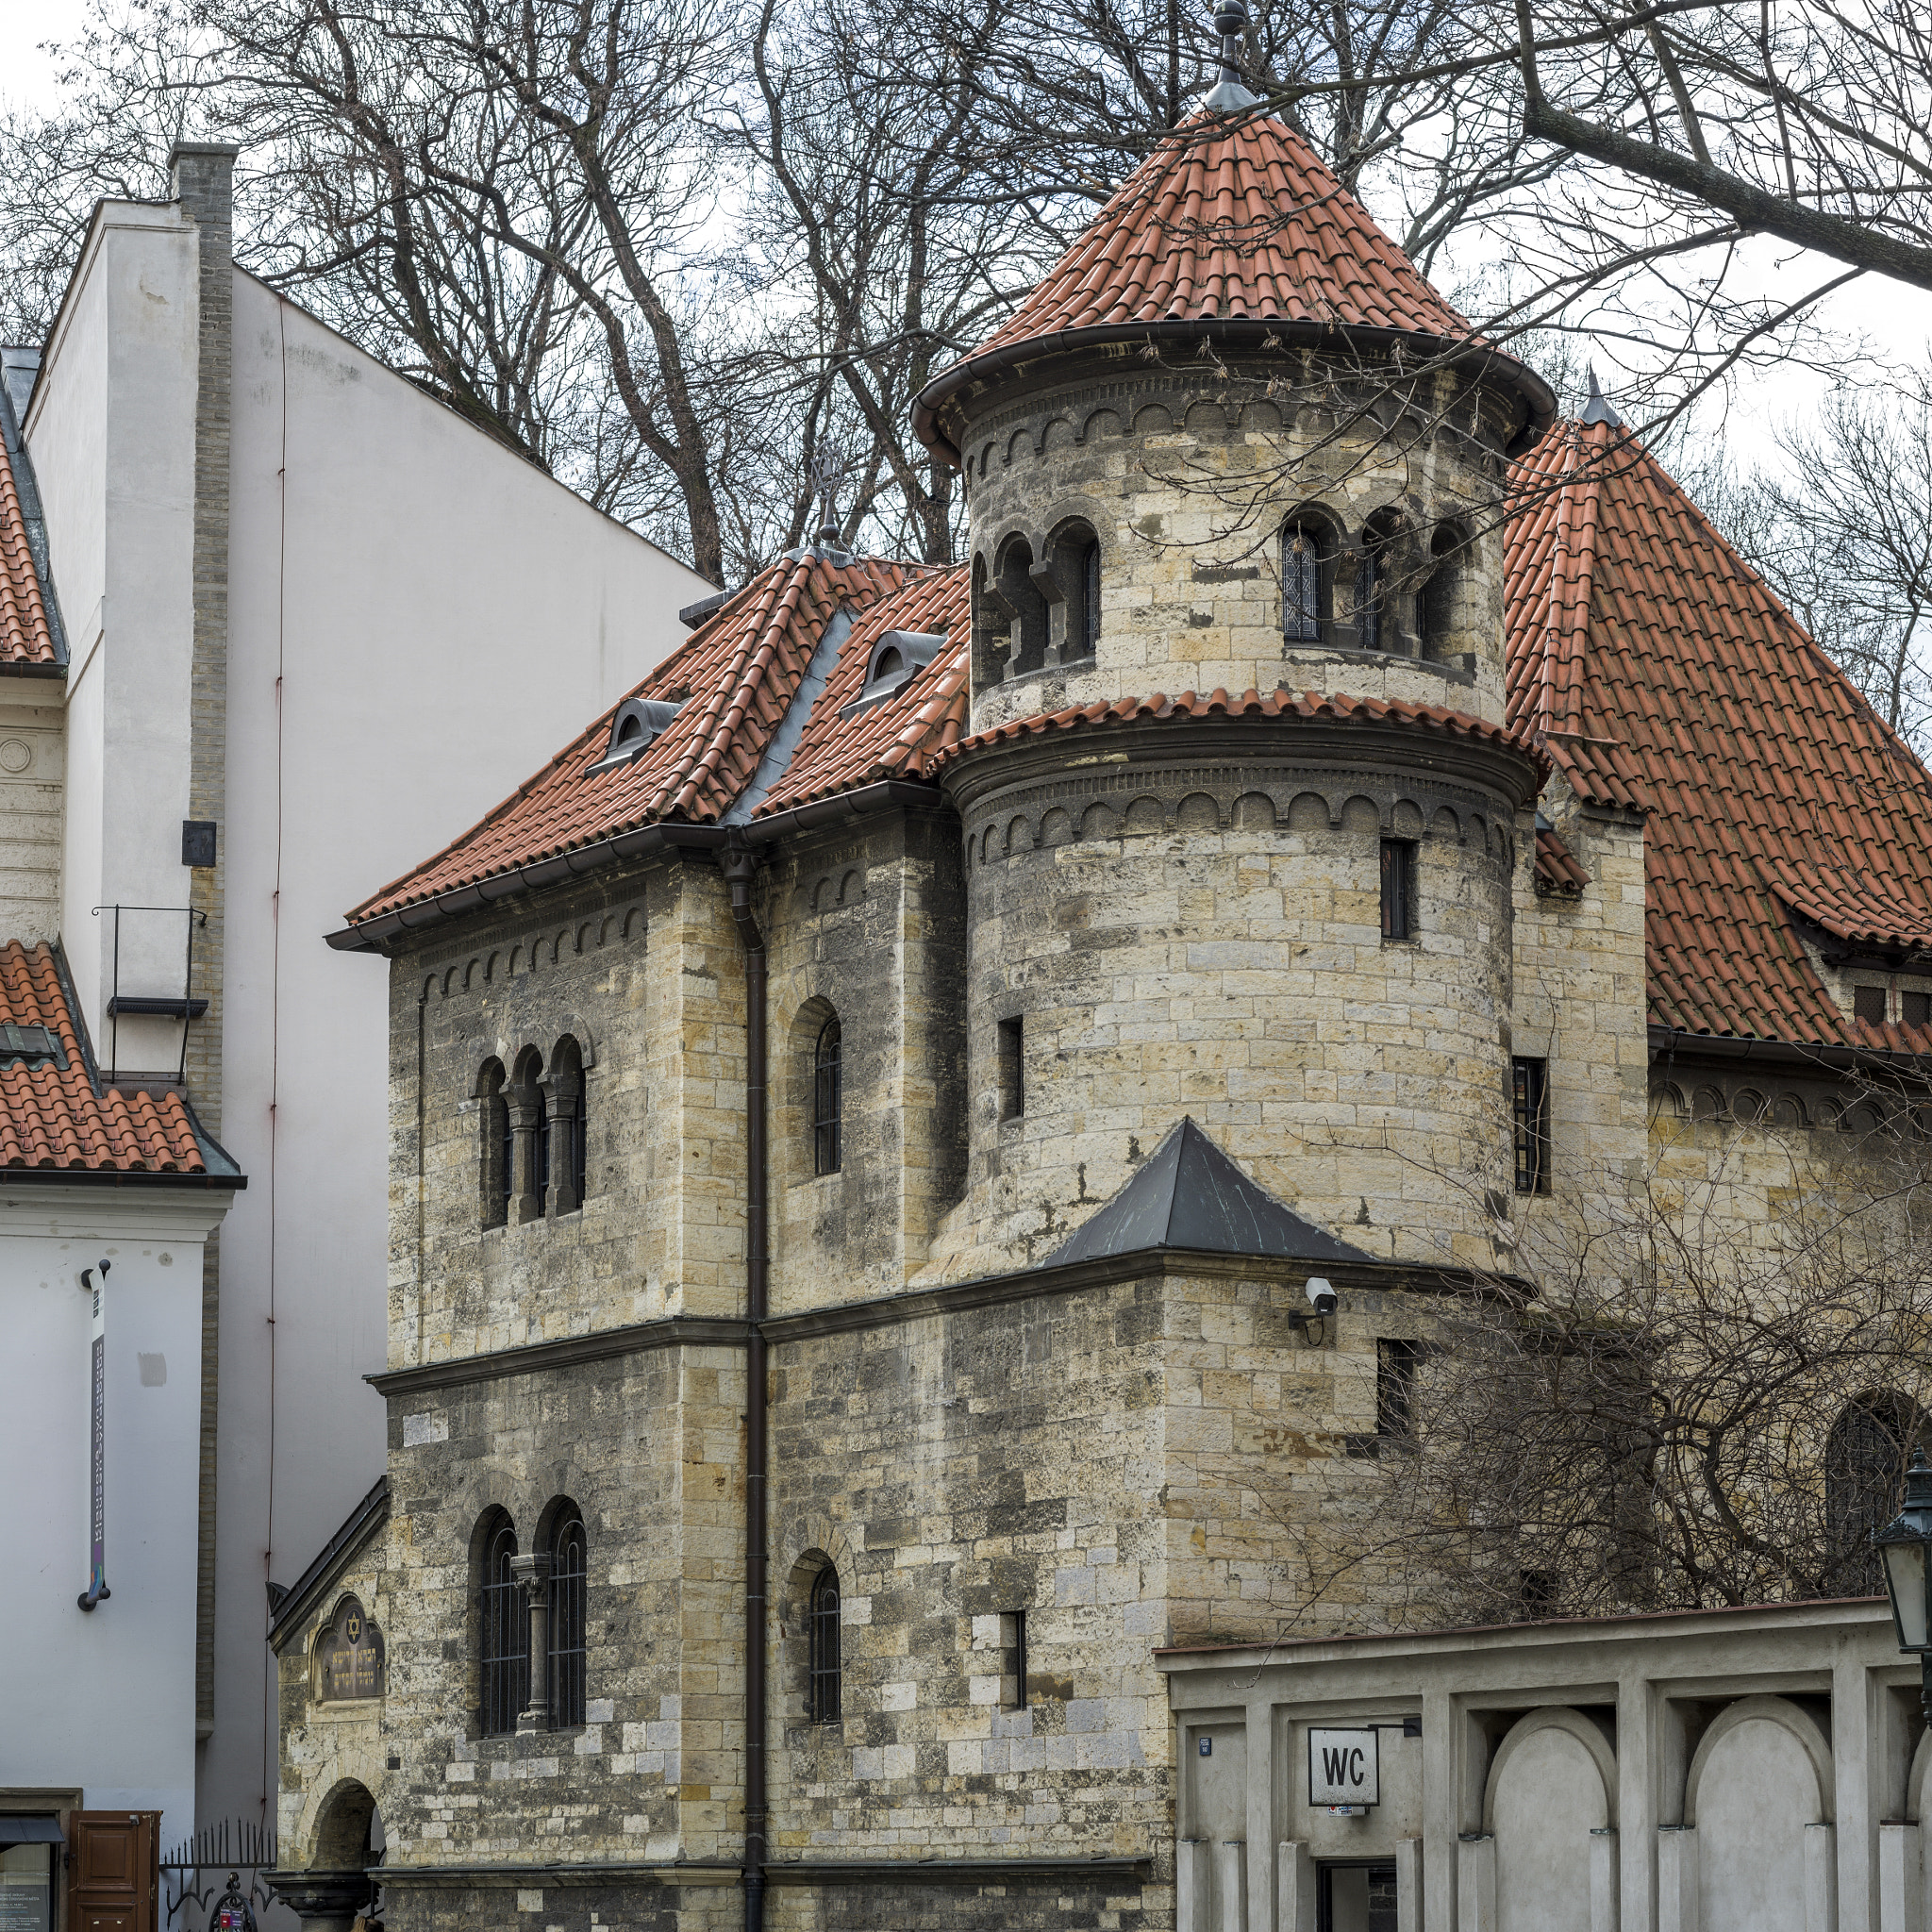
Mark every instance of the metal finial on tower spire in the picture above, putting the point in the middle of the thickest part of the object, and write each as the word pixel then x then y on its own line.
pixel 1228 96
pixel 1596 410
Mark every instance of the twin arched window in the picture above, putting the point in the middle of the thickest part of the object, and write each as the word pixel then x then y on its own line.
pixel 532 1603
pixel 532 1137
pixel 1383 588
pixel 1032 612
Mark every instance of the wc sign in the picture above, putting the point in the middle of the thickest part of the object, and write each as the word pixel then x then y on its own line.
pixel 1344 1768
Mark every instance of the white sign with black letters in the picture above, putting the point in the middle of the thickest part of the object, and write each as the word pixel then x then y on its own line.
pixel 1344 1768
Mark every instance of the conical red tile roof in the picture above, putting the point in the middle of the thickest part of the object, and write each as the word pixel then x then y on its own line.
pixel 1659 671
pixel 1235 224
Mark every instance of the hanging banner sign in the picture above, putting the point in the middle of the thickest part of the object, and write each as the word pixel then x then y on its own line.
pixel 97 1591
pixel 1345 1767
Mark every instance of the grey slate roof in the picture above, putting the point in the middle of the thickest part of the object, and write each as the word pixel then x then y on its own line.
pixel 1189 1195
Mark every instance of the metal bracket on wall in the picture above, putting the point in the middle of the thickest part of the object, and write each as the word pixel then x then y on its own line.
pixel 182 1006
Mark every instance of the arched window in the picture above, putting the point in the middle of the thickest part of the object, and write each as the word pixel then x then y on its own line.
pixel 1303 588
pixel 529 1138
pixel 503 1631
pixel 563 1127
pixel 1440 598
pixel 828 1099
pixel 826 1666
pixel 492 1145
pixel 1075 579
pixel 990 642
pixel 540 1157
pixel 567 1647
pixel 1864 1475
pixel 1371 592
pixel 1018 596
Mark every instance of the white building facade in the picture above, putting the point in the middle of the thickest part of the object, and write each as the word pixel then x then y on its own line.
pixel 303 616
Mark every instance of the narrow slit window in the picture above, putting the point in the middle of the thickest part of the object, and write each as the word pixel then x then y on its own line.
pixel 1013 1660
pixel 1398 889
pixel 1012 1045
pixel 1301 586
pixel 1396 1361
pixel 827 1098
pixel 827 1662
pixel 494 1146
pixel 540 1179
pixel 1090 600
pixel 1530 1101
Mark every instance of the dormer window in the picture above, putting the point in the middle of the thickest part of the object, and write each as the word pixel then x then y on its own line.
pixel 897 659
pixel 34 1045
pixel 636 727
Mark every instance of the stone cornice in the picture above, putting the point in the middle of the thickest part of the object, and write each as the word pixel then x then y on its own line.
pixel 921 1304
pixel 1289 742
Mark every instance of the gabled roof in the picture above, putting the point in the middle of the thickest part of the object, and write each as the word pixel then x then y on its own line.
pixel 287 1607
pixel 56 1121
pixel 1659 671
pixel 1227 222
pixel 30 642
pixel 734 681
pixel 1189 1195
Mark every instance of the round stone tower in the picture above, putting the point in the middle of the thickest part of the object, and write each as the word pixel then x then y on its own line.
pixel 1240 808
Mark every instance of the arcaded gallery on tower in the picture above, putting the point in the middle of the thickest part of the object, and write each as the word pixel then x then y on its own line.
pixel 928 1143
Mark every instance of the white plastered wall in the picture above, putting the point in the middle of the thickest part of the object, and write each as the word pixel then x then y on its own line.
pixel 418 620
pixel 103 1701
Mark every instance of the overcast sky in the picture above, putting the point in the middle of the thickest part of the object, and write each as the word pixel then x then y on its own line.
pixel 1896 321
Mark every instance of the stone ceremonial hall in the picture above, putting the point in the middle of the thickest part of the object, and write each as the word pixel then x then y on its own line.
pixel 873 1117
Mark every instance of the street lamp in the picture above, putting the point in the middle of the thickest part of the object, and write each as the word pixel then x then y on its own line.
pixel 1905 1543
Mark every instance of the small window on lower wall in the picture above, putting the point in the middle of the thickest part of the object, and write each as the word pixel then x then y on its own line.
pixel 825 1695
pixel 1398 889
pixel 1012 1067
pixel 1013 1660
pixel 1529 1082
pixel 1396 1360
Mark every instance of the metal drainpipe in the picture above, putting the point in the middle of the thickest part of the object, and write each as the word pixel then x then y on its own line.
pixel 739 867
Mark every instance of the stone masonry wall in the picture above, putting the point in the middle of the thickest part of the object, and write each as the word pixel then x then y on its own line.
pixel 1186 472
pixel 1186 919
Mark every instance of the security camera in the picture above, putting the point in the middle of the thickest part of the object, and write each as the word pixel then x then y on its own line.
pixel 1321 1297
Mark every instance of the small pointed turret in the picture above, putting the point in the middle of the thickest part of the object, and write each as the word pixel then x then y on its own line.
pixel 1228 96
pixel 1596 410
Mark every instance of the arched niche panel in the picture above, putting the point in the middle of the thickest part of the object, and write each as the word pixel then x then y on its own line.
pixel 1553 1782
pixel 1760 1777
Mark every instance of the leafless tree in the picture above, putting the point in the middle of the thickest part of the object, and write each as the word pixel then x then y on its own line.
pixel 1842 531
pixel 1647 1405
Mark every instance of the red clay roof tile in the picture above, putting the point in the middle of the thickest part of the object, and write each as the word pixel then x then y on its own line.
pixel 1660 671
pixel 1225 223
pixel 26 636
pixel 51 1115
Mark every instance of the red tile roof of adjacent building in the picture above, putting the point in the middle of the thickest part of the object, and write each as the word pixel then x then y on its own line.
pixel 1226 223
pixel 54 1116
pixel 26 639
pixel 1648 664
pixel 733 680
pixel 898 737
pixel 1661 672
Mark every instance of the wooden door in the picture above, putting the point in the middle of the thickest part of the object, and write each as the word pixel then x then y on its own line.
pixel 114 1870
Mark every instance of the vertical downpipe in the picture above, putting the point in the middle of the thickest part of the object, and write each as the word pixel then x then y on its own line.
pixel 739 867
